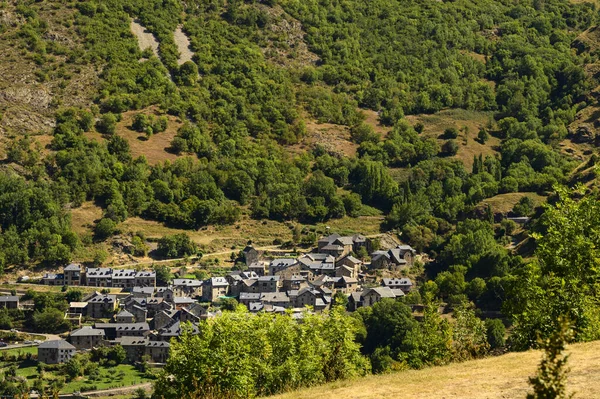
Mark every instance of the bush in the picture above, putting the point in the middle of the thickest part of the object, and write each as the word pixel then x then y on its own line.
pixel 105 228
pixel 451 133
pixel 450 148
pixel 495 332
pixel 107 123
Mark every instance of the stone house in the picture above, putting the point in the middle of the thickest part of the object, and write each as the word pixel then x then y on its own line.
pixel 87 338
pixel 187 287
pixel 250 255
pixel 395 258
pixel 123 278
pixel 102 306
pixel 214 288
pixel 157 351
pixel 9 302
pixel 124 317
pixel 118 330
pixel 55 352
pixel 276 266
pixel 73 274
pixel 404 284
pixel 98 277
pixel 145 279
pixel 257 267
pixel 269 283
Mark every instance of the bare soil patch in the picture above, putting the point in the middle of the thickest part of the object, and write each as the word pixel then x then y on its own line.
pixel 183 45
pixel 145 38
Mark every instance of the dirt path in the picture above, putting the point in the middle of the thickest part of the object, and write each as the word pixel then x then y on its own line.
pixel 183 45
pixel 115 391
pixel 145 38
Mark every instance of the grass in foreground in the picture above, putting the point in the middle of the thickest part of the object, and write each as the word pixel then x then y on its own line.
pixel 492 378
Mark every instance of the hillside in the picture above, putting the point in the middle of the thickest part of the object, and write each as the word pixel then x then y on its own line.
pixel 502 377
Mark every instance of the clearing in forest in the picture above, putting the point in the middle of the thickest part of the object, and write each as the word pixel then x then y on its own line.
pixel 183 45
pixel 145 39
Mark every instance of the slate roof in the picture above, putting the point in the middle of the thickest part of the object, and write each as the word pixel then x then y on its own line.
pixel 397 281
pixel 9 298
pixel 184 282
pixel 73 267
pixel 274 297
pixel 56 344
pixel 268 278
pixel 249 296
pixel 383 292
pixel 123 326
pixel 124 313
pixel 87 331
pixel 174 330
pixel 218 282
pixel 103 298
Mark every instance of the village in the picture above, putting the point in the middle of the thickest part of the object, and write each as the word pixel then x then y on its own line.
pixel 144 317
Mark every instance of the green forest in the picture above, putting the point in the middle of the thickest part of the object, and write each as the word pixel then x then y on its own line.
pixel 264 72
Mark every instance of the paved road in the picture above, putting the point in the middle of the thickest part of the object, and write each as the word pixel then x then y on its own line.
pixel 49 337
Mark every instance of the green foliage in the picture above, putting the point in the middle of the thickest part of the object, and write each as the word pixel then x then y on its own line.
pixel 550 381
pixel 524 207
pixel 177 246
pixel 237 355
pixel 104 229
pixel 107 124
pixel 469 340
pixel 562 282
pixel 495 332
pixel 163 275
pixel 50 320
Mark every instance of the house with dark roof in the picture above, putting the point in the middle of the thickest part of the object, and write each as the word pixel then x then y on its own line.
pixel 395 258
pixel 373 295
pixel 268 284
pixel 155 305
pixel 174 331
pixel 214 288
pixel 158 351
pixel 145 278
pixel 73 274
pixel 277 266
pixel 250 255
pixel 142 292
pixel 246 298
pixel 187 287
pixel 118 330
pixel 123 278
pixel 53 279
pixel 257 267
pixel 339 246
pixel 9 302
pixel 98 277
pixel 404 284
pixel 124 317
pixel 294 282
pixel 135 347
pixel 55 352
pixel 275 299
pixel 87 338
pixel 102 306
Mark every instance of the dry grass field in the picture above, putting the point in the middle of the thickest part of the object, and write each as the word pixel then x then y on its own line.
pixel 503 203
pixel 503 377
pixel 435 124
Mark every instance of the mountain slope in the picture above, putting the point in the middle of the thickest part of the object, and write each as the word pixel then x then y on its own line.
pixel 492 378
